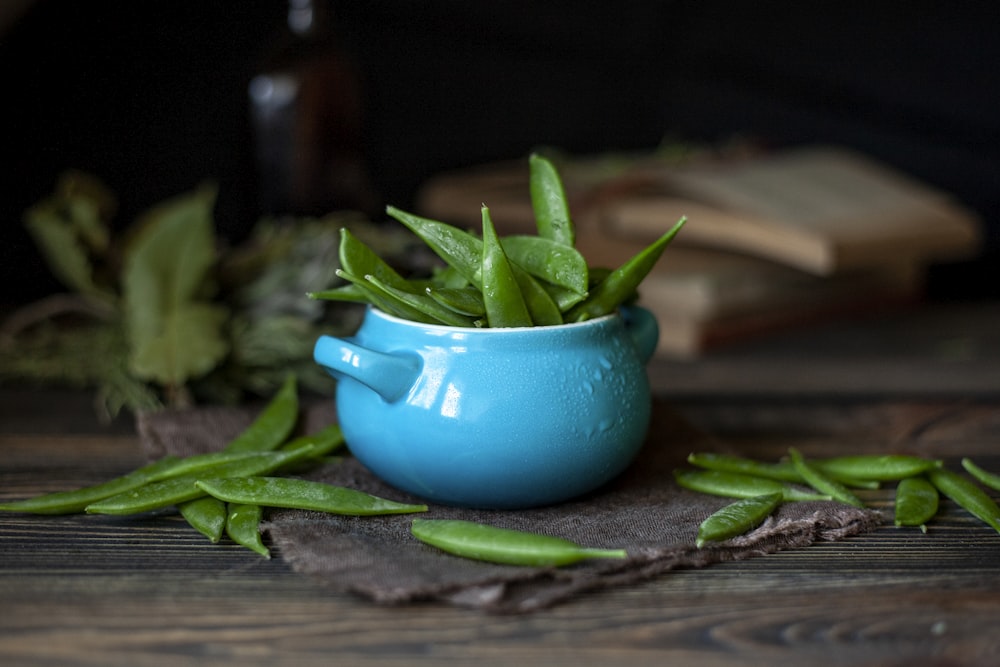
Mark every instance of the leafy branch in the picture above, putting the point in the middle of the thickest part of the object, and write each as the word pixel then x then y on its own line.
pixel 164 313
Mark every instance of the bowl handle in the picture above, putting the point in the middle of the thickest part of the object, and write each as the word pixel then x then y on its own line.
pixel 645 332
pixel 389 375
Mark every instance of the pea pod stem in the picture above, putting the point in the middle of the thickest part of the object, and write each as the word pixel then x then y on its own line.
pixel 478 541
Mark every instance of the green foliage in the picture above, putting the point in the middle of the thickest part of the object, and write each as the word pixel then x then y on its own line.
pixel 164 314
pixel 175 332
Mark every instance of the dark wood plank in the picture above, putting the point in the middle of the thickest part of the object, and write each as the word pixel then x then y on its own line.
pixel 92 590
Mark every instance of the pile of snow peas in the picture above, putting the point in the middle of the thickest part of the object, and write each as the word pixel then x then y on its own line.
pixel 762 486
pixel 489 281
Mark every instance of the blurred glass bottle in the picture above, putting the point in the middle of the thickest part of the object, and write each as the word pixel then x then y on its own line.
pixel 306 114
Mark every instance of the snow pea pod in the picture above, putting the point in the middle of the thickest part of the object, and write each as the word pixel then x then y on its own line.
pixel 783 470
pixel 736 485
pixel 737 518
pixel 302 494
pixel 350 293
pixel 274 424
pixel 967 495
pixel 621 283
pixel 986 478
pixel 505 306
pixel 206 515
pixel 422 302
pixel 548 260
pixel 821 482
pixel 384 303
pixel 464 253
pixel 501 545
pixel 541 306
pixel 357 259
pixel 176 490
pixel 320 443
pixel 459 249
pixel 883 468
pixel 549 203
pixel 70 502
pixel 916 502
pixel 463 300
pixel 243 527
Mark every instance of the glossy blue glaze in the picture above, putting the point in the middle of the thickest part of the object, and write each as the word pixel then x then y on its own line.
pixel 494 418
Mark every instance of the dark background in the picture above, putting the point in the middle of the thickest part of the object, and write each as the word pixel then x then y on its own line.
pixel 152 96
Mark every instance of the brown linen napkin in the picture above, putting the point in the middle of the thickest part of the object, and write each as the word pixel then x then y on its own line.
pixel 642 511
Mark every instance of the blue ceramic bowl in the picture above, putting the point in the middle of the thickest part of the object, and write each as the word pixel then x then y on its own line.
pixel 494 418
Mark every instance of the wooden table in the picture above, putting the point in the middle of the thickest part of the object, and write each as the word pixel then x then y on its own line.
pixel 99 590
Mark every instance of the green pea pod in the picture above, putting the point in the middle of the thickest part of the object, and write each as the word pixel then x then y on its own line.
pixel 505 305
pixel 563 298
pixel 206 515
pixel 821 482
pixel 349 293
pixel 621 283
pixel 967 495
pixel 883 468
pixel 460 250
pixel 737 518
pixel 501 545
pixel 464 301
pixel 541 306
pixel 321 443
pixel 358 259
pixel 302 494
pixel 274 424
pixel 176 490
pixel 736 485
pixel 464 253
pixel 423 303
pixel 449 278
pixel 71 502
pixel 549 203
pixel 387 305
pixel 548 260
pixel 989 479
pixel 916 502
pixel 783 470
pixel 243 527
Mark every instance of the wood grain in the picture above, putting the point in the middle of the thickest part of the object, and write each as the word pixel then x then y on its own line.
pixel 98 590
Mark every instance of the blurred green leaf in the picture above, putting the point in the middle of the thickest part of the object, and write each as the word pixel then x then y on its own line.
pixel 175 334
